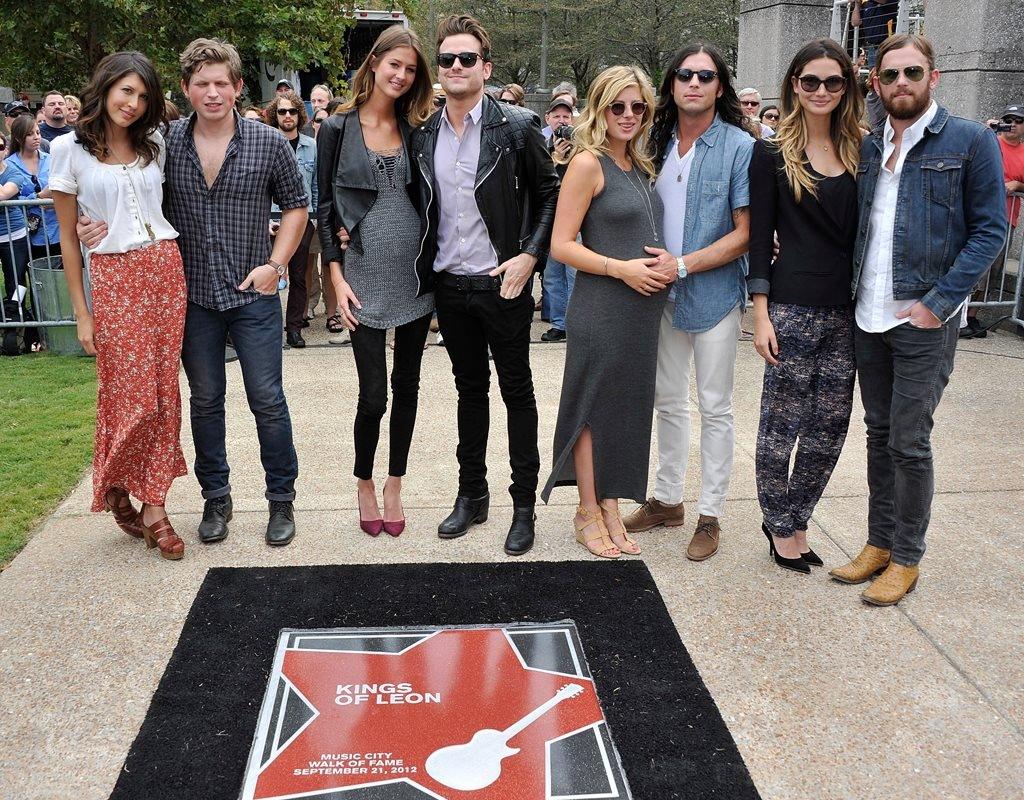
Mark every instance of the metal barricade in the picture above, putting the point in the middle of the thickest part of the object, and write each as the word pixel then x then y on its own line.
pixel 1001 288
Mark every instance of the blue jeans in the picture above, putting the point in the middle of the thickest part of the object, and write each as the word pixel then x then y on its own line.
pixel 255 330
pixel 558 282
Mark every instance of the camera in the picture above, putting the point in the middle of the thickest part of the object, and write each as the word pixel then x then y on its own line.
pixel 562 132
pixel 1001 127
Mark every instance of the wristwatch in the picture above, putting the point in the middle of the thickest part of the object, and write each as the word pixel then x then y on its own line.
pixel 681 267
pixel 281 268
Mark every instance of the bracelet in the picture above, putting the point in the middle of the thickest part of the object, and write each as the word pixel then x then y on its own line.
pixel 605 265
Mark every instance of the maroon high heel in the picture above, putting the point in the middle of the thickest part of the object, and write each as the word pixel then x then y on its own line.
pixel 372 526
pixel 394 527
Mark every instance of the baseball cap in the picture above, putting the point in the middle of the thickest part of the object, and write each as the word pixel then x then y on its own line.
pixel 16 107
pixel 283 82
pixel 560 101
pixel 1015 110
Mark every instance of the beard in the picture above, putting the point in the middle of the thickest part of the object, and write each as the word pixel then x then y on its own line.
pixel 908 107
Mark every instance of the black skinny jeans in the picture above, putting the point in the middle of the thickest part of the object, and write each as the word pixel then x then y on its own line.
pixel 368 347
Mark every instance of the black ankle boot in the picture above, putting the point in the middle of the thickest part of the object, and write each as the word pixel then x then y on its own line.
pixel 521 533
pixel 281 526
pixel 216 516
pixel 468 511
pixel 796 564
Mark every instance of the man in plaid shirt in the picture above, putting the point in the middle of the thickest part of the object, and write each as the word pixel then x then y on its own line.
pixel 222 173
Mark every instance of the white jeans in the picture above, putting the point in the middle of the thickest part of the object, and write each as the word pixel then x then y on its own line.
pixel 714 355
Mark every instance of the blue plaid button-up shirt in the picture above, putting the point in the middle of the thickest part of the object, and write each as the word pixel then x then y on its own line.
pixel 223 231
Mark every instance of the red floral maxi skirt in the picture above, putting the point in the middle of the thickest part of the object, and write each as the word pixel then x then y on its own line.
pixel 139 319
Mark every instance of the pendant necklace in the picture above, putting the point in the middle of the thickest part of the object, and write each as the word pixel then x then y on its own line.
pixel 644 197
pixel 135 194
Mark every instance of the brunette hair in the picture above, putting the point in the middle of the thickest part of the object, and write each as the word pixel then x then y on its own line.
pixel 844 127
pixel 517 92
pixel 900 40
pixel 418 102
pixel 91 128
pixel 271 113
pixel 201 52
pixel 21 129
pixel 666 116
pixel 54 91
pixel 766 109
pixel 173 112
pixel 590 132
pixel 463 23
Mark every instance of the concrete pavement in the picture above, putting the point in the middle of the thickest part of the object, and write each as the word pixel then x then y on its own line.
pixel 826 697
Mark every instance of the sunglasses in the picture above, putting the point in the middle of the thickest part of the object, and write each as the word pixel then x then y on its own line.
pixel 833 83
pixel 772 117
pixel 751 103
pixel 890 75
pixel 703 75
pixel 447 60
pixel 1014 120
pixel 290 111
pixel 638 107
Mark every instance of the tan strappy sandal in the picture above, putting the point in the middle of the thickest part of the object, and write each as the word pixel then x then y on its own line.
pixel 595 518
pixel 631 548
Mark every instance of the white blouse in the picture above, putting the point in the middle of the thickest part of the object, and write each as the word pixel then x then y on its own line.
pixel 127 197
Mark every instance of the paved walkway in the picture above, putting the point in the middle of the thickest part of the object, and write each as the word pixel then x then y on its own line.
pixel 827 698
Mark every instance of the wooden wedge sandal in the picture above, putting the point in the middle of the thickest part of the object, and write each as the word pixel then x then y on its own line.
pixel 161 535
pixel 608 548
pixel 631 548
pixel 127 518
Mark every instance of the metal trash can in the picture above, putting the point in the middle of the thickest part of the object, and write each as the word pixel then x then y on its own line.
pixel 51 302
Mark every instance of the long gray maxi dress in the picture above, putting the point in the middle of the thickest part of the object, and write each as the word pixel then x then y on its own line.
pixel 611 359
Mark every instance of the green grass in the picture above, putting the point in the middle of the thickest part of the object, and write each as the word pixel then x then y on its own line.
pixel 47 417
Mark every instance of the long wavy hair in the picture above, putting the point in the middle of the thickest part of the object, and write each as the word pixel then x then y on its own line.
pixel 416 104
pixel 92 127
pixel 844 127
pixel 591 130
pixel 666 116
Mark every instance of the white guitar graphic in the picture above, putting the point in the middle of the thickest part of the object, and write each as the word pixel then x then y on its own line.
pixel 477 763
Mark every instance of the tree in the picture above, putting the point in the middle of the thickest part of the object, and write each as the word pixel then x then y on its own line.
pixel 55 48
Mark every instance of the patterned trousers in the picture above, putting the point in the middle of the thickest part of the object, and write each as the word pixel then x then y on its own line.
pixel 808 398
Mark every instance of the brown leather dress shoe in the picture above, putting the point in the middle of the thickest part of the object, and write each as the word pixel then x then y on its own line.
pixel 892 585
pixel 652 514
pixel 704 543
pixel 869 562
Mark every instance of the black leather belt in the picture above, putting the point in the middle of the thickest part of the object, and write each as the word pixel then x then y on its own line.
pixel 470 283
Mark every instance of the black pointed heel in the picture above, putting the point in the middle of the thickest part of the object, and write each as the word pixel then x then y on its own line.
pixel 795 564
pixel 812 558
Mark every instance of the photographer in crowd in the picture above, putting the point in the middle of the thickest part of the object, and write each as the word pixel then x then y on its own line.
pixel 558 277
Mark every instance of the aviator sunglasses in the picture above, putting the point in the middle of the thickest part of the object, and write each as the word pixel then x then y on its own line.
pixel 638 107
pixel 833 83
pixel 890 75
pixel 447 60
pixel 703 75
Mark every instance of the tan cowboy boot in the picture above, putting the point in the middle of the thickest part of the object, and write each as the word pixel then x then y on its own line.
pixel 870 562
pixel 890 587
pixel 654 513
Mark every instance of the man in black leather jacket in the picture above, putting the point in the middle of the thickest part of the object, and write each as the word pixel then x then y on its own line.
pixel 487 196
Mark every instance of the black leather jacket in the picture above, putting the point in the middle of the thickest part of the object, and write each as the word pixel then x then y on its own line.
pixel 516 185
pixel 348 186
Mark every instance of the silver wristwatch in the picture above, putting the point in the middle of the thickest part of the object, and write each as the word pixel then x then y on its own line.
pixel 681 267
pixel 281 268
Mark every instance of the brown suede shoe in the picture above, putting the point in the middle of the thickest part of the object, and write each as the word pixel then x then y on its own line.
pixel 891 585
pixel 704 543
pixel 869 562
pixel 652 514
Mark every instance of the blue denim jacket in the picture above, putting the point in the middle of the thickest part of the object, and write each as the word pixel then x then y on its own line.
pixel 718 185
pixel 950 212
pixel 305 154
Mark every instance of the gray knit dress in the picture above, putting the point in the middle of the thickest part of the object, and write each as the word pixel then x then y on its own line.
pixel 611 358
pixel 383 275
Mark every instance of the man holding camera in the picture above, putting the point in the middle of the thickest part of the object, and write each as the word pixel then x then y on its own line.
pixel 558 277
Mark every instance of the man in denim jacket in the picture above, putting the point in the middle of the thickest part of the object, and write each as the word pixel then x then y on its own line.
pixel 702 149
pixel 932 220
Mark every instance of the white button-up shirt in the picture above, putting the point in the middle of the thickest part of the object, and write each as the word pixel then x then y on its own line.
pixel 876 307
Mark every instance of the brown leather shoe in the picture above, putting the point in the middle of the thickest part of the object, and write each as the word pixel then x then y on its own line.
pixel 869 562
pixel 704 543
pixel 652 514
pixel 891 585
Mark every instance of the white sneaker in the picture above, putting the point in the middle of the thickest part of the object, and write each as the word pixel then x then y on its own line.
pixel 338 338
pixel 440 340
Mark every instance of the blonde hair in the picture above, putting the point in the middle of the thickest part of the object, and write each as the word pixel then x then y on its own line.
pixel 201 52
pixel 590 134
pixel 416 104
pixel 844 127
pixel 73 102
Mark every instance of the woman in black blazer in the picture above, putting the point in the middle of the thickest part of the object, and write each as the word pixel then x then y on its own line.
pixel 802 188
pixel 366 179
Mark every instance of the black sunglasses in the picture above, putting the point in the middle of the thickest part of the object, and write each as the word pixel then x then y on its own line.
pixel 890 75
pixel 772 117
pixel 1014 120
pixel 703 75
pixel 638 107
pixel 833 83
pixel 447 60
pixel 292 111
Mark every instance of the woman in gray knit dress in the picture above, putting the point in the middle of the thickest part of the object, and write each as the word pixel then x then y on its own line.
pixel 365 168
pixel 603 435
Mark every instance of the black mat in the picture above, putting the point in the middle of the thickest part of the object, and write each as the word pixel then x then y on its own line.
pixel 199 727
